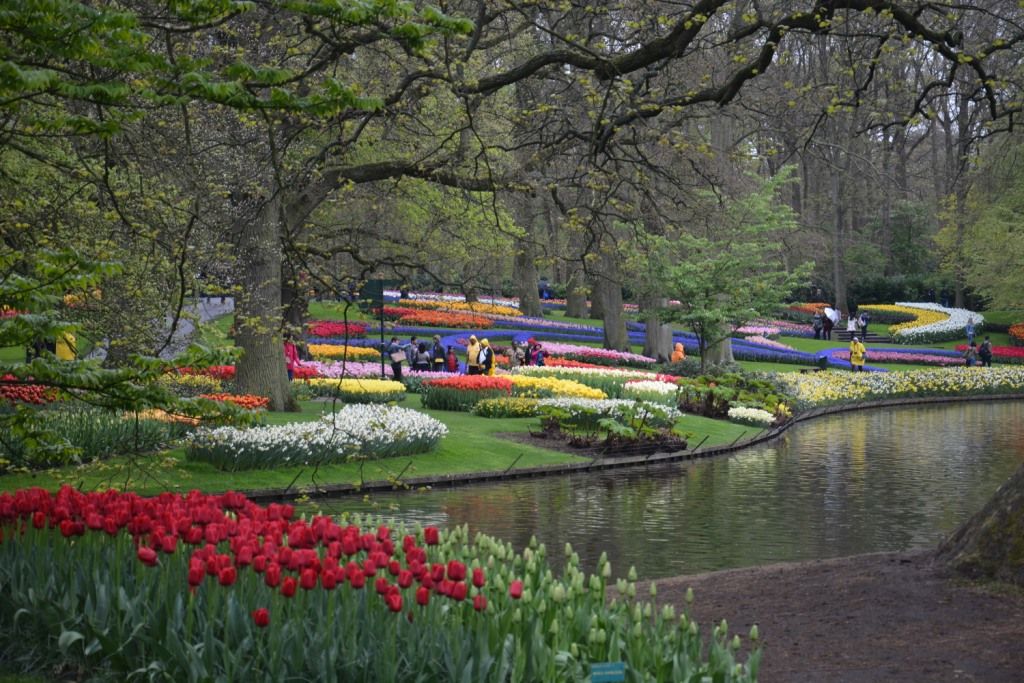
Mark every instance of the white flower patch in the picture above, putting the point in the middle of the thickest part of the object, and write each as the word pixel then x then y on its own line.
pixel 751 416
pixel 943 330
pixel 612 407
pixel 359 430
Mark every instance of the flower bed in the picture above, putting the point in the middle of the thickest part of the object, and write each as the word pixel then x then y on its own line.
pixel 654 391
pixel 221 372
pixel 763 341
pixel 247 401
pixel 758 330
pixel 358 390
pixel 591 354
pixel 876 356
pixel 333 328
pixel 476 307
pixel 461 392
pixel 12 390
pixel 323 352
pixel 413 316
pixel 1017 334
pixel 932 323
pixel 788 328
pixel 754 417
pixel 808 308
pixel 609 380
pixel 190 385
pixel 545 387
pixel 831 388
pixel 113 584
pixel 362 431
pixel 1001 354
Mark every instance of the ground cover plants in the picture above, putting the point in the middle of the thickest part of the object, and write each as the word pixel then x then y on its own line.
pixel 204 587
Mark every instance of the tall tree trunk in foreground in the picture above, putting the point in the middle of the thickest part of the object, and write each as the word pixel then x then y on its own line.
pixel 576 295
pixel 658 336
pixel 261 370
pixel 990 545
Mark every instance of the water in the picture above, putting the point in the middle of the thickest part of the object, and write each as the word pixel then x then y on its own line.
pixel 868 481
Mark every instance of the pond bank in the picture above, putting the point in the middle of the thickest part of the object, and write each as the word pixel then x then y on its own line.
pixel 861 619
pixel 596 464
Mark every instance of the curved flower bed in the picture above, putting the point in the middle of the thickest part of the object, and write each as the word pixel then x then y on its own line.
pixel 933 323
pixel 832 388
pixel 476 307
pixel 577 408
pixel 755 417
pixel 609 380
pixel 764 341
pixel 413 316
pixel 544 387
pixel 333 328
pixel 221 372
pixel 789 328
pixel 358 390
pixel 808 308
pixel 758 331
pixel 886 356
pixel 355 431
pixel 654 391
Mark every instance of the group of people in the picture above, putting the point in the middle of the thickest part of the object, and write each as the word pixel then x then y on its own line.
pixel 978 355
pixel 421 356
pixel 825 321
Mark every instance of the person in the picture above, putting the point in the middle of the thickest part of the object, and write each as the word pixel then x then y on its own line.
pixel 473 356
pixel 291 355
pixel 397 354
pixel 851 324
pixel 66 348
pixel 679 354
pixel 817 324
pixel 518 354
pixel 486 361
pixel 422 361
pixel 538 354
pixel 826 326
pixel 985 353
pixel 865 318
pixel 971 354
pixel 437 354
pixel 858 354
pixel 970 329
pixel 452 363
pixel 411 349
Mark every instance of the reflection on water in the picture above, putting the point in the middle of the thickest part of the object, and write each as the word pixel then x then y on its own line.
pixel 876 480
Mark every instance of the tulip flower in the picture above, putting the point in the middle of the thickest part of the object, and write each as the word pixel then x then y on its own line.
pixel 261 617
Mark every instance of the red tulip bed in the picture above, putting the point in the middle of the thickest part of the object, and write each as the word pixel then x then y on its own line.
pixel 333 328
pixel 462 392
pixel 204 587
pixel 1002 354
pixel 13 391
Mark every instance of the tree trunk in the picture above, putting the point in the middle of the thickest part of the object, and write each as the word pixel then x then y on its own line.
pixel 610 296
pixel 294 300
pixel 575 295
pixel 720 352
pixel 658 336
pixel 261 369
pixel 990 545
pixel 596 300
pixel 525 263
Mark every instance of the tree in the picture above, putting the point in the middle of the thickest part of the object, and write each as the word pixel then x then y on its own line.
pixel 733 273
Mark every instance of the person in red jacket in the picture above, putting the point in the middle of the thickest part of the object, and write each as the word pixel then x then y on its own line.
pixel 291 355
pixel 452 362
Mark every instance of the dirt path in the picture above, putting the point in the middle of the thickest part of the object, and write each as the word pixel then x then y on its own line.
pixel 868 618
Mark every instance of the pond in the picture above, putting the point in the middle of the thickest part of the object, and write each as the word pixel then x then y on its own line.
pixel 859 482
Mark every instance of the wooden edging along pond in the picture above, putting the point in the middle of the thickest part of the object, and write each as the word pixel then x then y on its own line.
pixel 601 463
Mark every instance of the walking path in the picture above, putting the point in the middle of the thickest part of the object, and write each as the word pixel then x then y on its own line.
pixel 205 310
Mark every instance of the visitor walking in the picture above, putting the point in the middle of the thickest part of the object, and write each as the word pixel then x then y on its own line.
pixel 291 356
pixel 858 354
pixel 971 354
pixel 473 356
pixel 411 349
pixel 452 362
pixel 985 353
pixel 817 324
pixel 970 329
pixel 865 318
pixel 679 355
pixel 827 323
pixel 486 358
pixel 437 354
pixel 397 355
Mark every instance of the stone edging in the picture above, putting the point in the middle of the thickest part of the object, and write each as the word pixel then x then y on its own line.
pixel 763 436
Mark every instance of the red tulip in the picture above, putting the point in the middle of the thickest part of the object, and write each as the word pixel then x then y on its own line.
pixel 357 579
pixel 261 617
pixel 329 579
pixel 288 586
pixel 394 601
pixel 147 556
pixel 478 577
pixel 227 576
pixel 39 519
pixel 456 570
pixel 479 603
pixel 382 585
pixel 422 596
pixel 307 579
pixel 459 590
pixel 515 589
pixel 196 576
pixel 405 578
pixel 273 576
pixel 394 567
pixel 431 535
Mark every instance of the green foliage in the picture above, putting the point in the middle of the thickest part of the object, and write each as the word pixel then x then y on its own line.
pixel 506 407
pixel 713 395
pixel 444 398
pixel 94 433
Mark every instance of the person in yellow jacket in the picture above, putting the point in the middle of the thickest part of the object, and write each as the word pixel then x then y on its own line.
pixel 679 354
pixel 486 358
pixel 857 355
pixel 66 347
pixel 473 356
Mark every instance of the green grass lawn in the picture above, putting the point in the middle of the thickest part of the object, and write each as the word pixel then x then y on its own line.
pixel 471 446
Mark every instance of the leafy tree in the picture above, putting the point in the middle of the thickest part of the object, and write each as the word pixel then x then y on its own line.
pixel 734 271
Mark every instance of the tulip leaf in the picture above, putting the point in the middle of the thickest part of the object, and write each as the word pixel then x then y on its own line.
pixel 67 639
